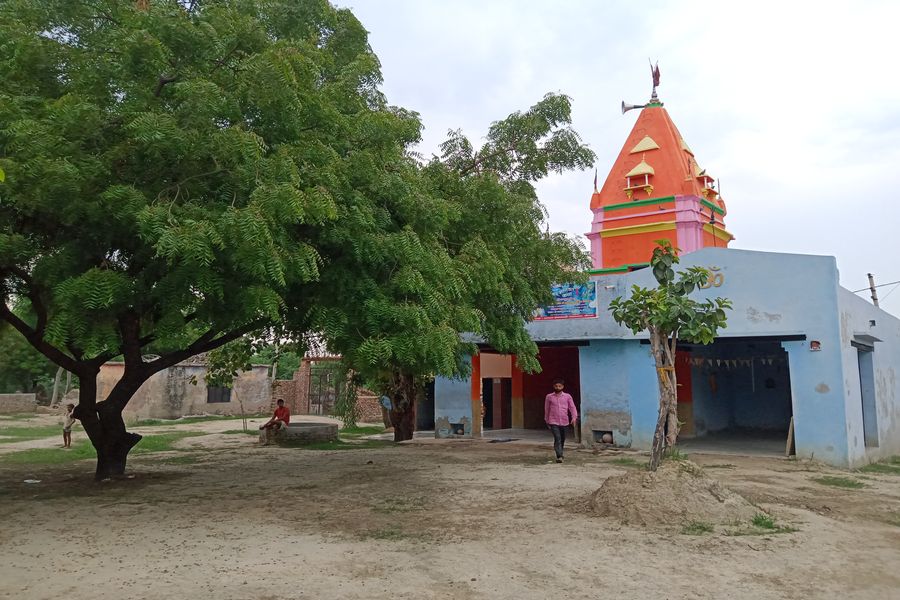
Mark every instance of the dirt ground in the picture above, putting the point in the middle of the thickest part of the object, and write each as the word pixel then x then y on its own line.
pixel 221 518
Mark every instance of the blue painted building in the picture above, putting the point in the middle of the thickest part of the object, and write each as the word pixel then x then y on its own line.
pixel 797 348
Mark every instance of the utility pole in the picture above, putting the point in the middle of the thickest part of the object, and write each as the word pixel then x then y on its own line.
pixel 872 287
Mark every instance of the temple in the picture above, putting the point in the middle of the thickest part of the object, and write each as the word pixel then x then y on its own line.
pixel 802 367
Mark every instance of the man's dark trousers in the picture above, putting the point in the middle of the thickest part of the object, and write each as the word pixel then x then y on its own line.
pixel 559 439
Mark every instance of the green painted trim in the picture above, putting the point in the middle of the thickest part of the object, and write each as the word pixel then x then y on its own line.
pixel 635 203
pixel 712 206
pixel 622 269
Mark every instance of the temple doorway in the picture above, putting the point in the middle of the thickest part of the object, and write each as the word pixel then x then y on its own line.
pixel 734 396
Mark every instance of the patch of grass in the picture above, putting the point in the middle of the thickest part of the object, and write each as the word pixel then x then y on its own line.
pixel 762 524
pixel 763 521
pixel 18 416
pixel 162 442
pixel 882 468
pixel 185 459
pixel 391 533
pixel 627 461
pixel 697 528
pixel 343 445
pixel 83 450
pixel 24 433
pixel 80 450
pixel 400 505
pixel 674 453
pixel 894 519
pixel 189 420
pixel 254 431
pixel 841 482
pixel 359 431
pixel 720 466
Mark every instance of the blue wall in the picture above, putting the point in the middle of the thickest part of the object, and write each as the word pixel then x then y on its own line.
pixel 615 390
pixel 773 295
pixel 856 322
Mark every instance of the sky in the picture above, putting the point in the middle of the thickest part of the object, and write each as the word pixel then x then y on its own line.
pixel 793 106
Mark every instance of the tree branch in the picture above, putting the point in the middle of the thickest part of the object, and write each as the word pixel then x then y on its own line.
pixel 481 159
pixel 32 294
pixel 36 339
pixel 206 342
pixel 221 62
pixel 163 81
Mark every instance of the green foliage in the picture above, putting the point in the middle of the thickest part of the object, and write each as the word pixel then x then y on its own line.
pixel 674 453
pixel 181 175
pixel 22 368
pixel 9 435
pixel 458 245
pixel 841 482
pixel 697 528
pixel 357 431
pixel 345 406
pixel 82 449
pixel 347 445
pixel 183 167
pixel 761 524
pixel 627 461
pixel 763 521
pixel 668 308
pixel 183 421
pixel 287 361
pixel 890 466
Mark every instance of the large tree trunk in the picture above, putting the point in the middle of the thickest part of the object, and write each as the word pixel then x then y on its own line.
pixel 403 406
pixel 667 420
pixel 103 423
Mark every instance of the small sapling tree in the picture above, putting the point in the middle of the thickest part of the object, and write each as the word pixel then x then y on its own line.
pixel 668 314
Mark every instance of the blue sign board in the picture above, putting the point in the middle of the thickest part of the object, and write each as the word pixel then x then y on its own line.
pixel 571 302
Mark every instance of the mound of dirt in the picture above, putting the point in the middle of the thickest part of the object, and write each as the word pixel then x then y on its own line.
pixel 678 492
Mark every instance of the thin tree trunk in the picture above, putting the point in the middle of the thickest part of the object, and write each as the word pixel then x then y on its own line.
pixel 672 426
pixel 666 426
pixel 55 394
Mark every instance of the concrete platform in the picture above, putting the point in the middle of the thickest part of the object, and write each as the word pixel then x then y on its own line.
pixel 737 443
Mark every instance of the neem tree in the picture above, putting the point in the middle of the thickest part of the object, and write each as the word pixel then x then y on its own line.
pixel 170 168
pixel 668 314
pixel 458 245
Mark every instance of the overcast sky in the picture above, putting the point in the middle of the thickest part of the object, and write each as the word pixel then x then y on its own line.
pixel 794 106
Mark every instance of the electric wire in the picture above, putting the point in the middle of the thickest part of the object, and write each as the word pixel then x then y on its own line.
pixel 865 289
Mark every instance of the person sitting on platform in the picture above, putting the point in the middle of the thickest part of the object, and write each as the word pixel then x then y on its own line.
pixel 280 419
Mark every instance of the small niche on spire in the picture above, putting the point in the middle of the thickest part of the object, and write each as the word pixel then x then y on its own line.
pixel 707 183
pixel 644 145
pixel 638 178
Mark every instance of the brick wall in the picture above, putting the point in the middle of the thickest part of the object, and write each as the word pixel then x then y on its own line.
pixel 369 407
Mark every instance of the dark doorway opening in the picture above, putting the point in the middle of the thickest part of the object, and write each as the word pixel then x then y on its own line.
pixel 864 359
pixel 734 396
pixel 497 401
pixel 425 409
pixel 557 362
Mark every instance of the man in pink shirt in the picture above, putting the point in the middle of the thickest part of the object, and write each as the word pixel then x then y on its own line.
pixel 559 413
